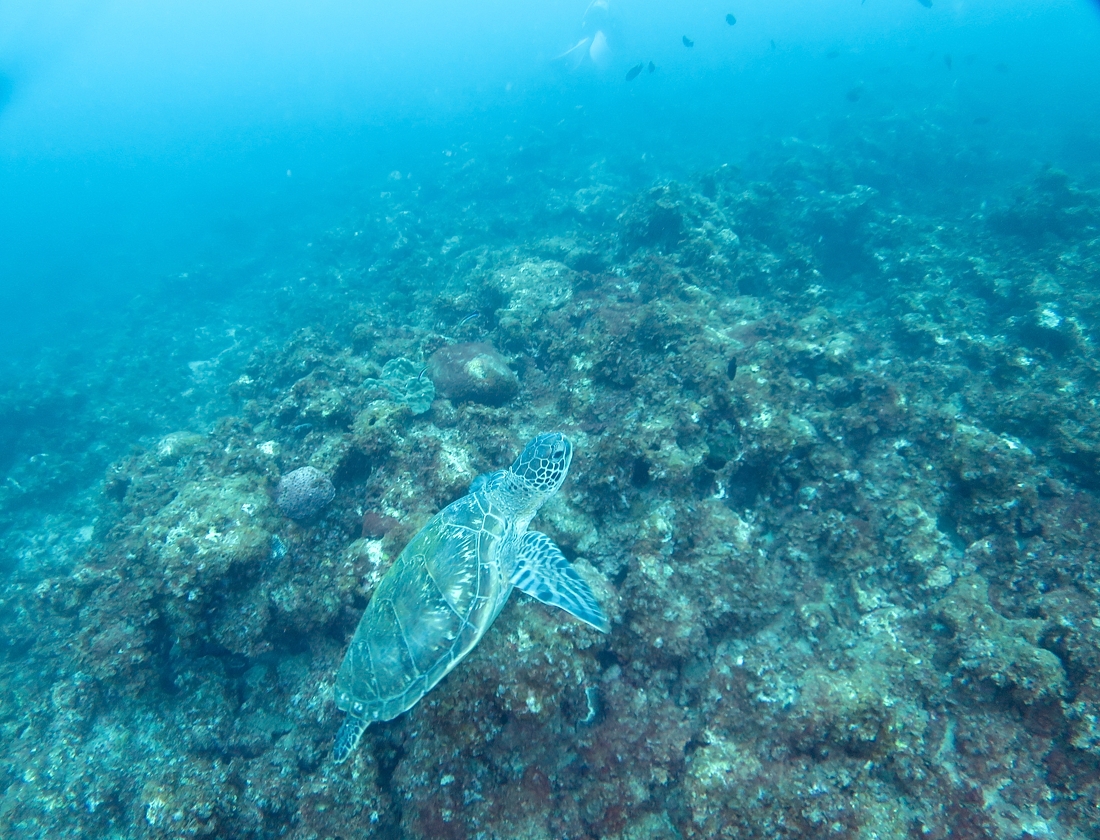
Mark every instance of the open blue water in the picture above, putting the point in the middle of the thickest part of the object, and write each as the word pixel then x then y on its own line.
pixel 136 140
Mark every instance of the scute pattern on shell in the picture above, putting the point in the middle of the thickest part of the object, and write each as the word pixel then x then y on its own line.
pixel 304 493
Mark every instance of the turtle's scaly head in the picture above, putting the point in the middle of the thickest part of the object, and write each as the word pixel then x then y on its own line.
pixel 544 463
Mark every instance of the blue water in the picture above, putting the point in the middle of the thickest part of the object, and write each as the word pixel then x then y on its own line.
pixel 196 192
pixel 136 141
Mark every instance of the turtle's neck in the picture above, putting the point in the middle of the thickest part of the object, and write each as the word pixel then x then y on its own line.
pixel 521 499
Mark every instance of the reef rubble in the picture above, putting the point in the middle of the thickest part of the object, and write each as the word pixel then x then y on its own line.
pixel 835 484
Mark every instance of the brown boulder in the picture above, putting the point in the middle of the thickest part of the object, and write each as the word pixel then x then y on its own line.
pixel 474 371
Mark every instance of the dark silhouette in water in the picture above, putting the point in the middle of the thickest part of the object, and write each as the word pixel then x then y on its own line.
pixel 731 20
pixel 688 42
pixel 635 71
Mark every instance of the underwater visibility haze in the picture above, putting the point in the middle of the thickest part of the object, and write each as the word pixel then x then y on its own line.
pixel 599 419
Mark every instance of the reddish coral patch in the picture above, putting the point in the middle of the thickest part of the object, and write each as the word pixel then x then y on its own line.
pixel 377 525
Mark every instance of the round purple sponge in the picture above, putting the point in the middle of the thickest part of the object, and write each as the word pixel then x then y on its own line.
pixel 303 493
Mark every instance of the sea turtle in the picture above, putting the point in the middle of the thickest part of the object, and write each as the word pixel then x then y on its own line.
pixel 449 584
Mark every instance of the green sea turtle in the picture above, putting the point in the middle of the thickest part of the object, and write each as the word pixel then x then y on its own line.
pixel 449 584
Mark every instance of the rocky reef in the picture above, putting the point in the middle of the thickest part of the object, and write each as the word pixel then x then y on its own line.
pixel 835 483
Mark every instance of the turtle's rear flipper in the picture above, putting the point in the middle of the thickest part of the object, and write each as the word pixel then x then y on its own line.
pixel 543 573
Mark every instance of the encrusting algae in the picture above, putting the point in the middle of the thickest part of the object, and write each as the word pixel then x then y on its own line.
pixel 834 485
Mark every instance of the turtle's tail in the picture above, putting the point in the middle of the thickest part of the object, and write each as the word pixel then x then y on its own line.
pixel 347 739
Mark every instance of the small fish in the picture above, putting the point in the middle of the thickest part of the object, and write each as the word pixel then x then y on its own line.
pixel 926 3
pixel 473 316
pixel 731 20
pixel 652 67
pixel 278 548
pixel 688 42
pixel 634 72
pixel 421 376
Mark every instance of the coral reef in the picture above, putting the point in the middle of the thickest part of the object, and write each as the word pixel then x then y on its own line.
pixel 473 371
pixel 1003 651
pixel 835 483
pixel 404 383
pixel 303 493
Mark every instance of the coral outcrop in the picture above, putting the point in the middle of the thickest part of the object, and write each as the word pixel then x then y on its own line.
pixel 474 371
pixel 835 482
pixel 303 493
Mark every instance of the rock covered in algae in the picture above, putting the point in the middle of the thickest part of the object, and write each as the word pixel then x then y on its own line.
pixel 473 371
pixel 303 493
pixel 799 649
pixel 1003 651
pixel 403 383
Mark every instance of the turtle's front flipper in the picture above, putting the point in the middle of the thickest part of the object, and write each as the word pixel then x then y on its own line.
pixel 347 739
pixel 543 572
